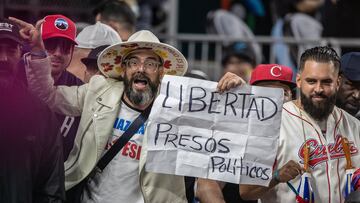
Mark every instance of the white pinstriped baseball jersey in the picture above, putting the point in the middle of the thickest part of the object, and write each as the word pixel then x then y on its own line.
pixel 327 159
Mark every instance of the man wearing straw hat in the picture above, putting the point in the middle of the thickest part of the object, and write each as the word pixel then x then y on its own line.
pixel 108 107
pixel 315 137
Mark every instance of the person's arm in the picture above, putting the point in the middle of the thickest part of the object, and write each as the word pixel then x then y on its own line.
pixel 210 191
pixel 287 172
pixel 61 99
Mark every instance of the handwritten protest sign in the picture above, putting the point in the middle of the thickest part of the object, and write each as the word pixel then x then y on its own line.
pixel 195 131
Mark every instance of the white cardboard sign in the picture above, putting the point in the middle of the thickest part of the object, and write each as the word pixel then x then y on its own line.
pixel 195 131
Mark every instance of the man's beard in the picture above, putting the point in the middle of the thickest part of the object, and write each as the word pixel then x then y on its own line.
pixel 319 111
pixel 140 98
pixel 7 74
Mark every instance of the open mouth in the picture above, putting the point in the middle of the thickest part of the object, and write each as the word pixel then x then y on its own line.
pixel 140 83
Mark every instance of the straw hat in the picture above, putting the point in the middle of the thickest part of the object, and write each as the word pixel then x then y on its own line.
pixel 110 60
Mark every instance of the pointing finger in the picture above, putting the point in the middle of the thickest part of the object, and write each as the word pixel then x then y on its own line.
pixel 21 23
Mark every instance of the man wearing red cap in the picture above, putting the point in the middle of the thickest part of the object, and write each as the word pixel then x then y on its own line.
pixel 58 33
pixel 265 75
pixel 274 75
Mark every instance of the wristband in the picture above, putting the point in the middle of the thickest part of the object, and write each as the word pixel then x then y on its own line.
pixel 40 54
pixel 276 176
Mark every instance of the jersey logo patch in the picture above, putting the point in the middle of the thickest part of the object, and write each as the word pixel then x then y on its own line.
pixel 318 152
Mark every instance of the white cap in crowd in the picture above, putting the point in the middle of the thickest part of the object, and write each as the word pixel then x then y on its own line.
pixel 97 35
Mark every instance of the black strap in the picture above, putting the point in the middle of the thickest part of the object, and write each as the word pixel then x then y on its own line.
pixel 124 138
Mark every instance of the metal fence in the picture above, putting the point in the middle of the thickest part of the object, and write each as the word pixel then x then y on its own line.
pixel 204 52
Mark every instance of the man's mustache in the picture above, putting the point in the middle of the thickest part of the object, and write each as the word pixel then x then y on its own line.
pixel 318 95
pixel 140 76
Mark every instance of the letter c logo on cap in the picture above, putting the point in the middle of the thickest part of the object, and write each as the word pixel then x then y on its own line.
pixel 275 71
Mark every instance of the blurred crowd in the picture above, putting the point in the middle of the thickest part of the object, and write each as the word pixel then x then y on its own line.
pixel 70 89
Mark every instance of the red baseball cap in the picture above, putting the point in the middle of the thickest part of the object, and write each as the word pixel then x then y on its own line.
pixel 272 72
pixel 58 26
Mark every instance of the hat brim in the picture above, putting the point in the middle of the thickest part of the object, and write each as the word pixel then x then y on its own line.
pixel 110 59
pixel 292 85
pixel 87 61
pixel 12 37
pixel 53 35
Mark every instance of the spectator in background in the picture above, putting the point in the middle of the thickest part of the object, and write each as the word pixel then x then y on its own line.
pixel 274 75
pixel 284 7
pixel 31 156
pixel 151 12
pixel 238 63
pixel 298 19
pixel 348 97
pixel 91 62
pixel 88 39
pixel 58 33
pixel 225 23
pixel 118 15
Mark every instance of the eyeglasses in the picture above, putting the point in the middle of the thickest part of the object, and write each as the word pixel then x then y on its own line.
pixel 149 65
pixel 64 45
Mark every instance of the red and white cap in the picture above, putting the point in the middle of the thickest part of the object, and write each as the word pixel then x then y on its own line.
pixel 272 72
pixel 58 26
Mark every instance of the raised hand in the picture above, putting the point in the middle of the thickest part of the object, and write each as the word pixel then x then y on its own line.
pixel 30 34
pixel 228 81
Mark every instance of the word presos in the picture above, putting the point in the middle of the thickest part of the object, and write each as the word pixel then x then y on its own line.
pixel 195 142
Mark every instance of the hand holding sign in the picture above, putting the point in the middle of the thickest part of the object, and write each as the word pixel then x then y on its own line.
pixel 228 81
